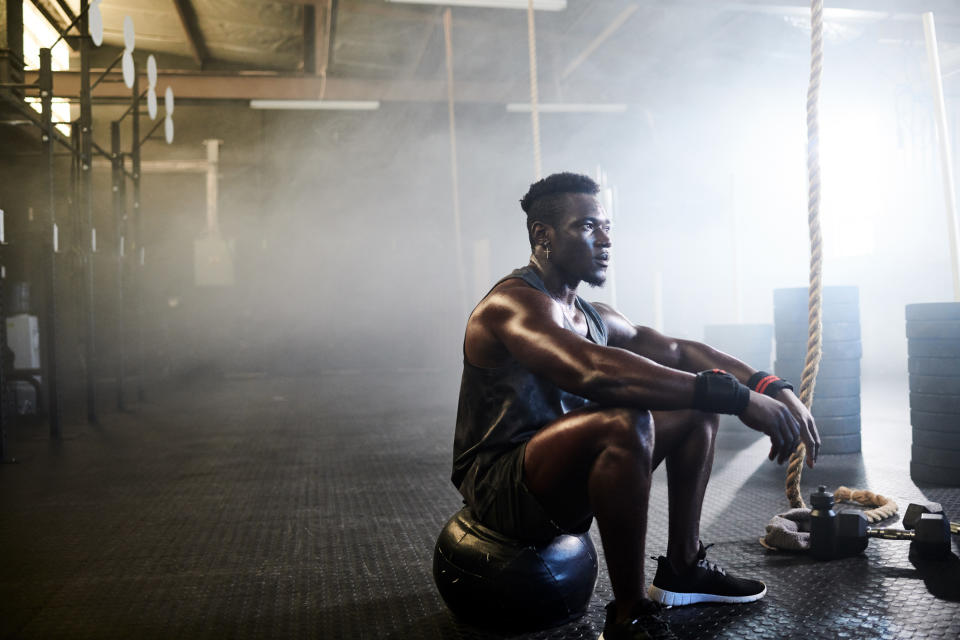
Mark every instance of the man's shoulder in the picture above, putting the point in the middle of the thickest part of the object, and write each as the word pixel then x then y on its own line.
pixel 607 312
pixel 510 296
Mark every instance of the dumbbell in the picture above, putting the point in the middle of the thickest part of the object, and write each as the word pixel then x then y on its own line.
pixel 917 509
pixel 931 537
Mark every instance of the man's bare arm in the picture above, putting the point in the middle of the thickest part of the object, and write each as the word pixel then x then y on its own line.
pixel 692 356
pixel 529 325
pixel 686 355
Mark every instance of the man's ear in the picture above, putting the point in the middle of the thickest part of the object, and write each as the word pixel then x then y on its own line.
pixel 540 232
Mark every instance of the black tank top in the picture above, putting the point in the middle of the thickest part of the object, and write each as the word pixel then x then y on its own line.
pixel 504 406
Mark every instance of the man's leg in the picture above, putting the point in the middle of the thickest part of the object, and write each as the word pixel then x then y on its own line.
pixel 685 439
pixel 599 460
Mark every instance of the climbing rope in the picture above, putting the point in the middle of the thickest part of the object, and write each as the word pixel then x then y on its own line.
pixel 534 90
pixel 884 507
pixel 811 366
pixel 454 175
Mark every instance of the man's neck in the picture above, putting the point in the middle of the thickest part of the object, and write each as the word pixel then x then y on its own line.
pixel 559 288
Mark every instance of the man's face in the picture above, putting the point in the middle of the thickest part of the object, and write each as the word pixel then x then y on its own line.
pixel 581 240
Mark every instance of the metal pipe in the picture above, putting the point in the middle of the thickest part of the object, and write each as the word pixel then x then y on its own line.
pixel 119 222
pixel 37 119
pixel 213 167
pixel 4 415
pixel 73 23
pixel 47 137
pixel 150 133
pixel 86 211
pixel 103 75
pixel 100 150
pixel 137 239
pixel 136 100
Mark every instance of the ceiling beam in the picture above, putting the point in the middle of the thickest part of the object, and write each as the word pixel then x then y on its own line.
pixel 53 14
pixel 262 86
pixel 191 26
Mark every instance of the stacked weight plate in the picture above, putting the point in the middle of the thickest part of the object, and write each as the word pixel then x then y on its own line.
pixel 751 343
pixel 836 398
pixel 933 360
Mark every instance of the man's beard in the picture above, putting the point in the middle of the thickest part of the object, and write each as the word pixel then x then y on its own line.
pixel 596 282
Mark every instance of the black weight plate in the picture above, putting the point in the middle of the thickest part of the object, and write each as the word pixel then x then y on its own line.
pixel 738 333
pixel 918 348
pixel 937 439
pixel 935 457
pixel 933 329
pixel 829 367
pixel 933 311
pixel 934 366
pixel 831 332
pixel 930 421
pixel 934 404
pixel 840 444
pixel 829 387
pixel 829 295
pixel 836 388
pixel 797 350
pixel 920 472
pixel 831 407
pixel 838 426
pixel 800 314
pixel 936 385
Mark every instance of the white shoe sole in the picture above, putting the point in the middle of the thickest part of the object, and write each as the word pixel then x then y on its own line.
pixel 672 599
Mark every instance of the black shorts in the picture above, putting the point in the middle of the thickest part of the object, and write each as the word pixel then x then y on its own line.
pixel 504 503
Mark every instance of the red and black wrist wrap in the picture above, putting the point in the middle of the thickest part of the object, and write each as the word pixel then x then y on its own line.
pixel 768 384
pixel 717 391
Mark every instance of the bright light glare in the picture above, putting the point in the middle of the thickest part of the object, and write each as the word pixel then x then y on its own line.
pixel 855 151
pixel 60 109
pixel 37 33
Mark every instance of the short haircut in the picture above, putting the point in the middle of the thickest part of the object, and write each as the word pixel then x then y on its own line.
pixel 545 200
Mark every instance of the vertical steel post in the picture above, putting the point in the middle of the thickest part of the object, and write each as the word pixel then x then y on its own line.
pixel 86 210
pixel 119 224
pixel 137 243
pixel 46 100
pixel 4 414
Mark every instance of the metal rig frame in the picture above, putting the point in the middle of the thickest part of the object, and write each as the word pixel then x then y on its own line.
pixel 82 148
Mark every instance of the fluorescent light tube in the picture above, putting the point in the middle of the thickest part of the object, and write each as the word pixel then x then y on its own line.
pixel 541 5
pixel 567 107
pixel 306 105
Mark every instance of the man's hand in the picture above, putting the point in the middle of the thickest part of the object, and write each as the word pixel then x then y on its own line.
pixel 808 428
pixel 775 419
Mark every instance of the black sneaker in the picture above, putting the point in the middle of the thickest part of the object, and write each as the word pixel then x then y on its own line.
pixel 702 582
pixel 645 624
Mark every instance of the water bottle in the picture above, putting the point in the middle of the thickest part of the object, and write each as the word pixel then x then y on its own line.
pixel 823 524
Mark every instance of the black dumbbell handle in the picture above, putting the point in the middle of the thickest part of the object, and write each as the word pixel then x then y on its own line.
pixel 891 534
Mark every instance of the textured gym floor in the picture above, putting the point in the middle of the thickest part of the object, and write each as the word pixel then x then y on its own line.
pixel 309 507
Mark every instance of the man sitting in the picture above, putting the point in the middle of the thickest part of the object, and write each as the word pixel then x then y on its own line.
pixel 566 408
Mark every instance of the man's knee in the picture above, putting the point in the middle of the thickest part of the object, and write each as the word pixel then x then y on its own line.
pixel 629 428
pixel 710 422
